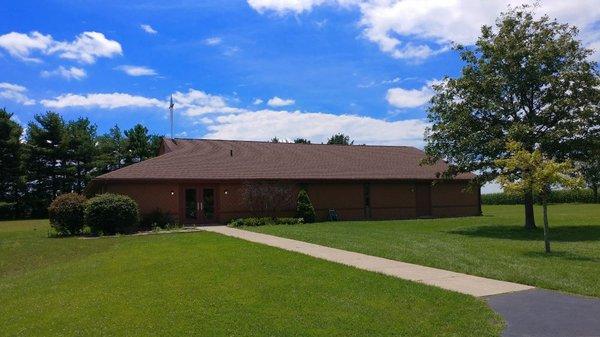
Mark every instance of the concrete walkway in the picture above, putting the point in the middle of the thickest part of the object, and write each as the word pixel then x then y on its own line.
pixel 462 283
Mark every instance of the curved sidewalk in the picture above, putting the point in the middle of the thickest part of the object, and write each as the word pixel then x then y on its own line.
pixel 462 283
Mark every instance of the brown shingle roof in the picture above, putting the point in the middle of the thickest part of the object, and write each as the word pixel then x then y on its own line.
pixel 187 159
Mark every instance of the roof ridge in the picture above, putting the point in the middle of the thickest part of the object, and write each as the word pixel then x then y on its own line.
pixel 291 143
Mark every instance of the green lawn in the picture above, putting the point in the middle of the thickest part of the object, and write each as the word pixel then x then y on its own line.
pixel 494 245
pixel 209 285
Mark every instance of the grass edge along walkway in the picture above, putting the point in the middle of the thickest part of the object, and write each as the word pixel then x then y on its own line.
pixel 462 283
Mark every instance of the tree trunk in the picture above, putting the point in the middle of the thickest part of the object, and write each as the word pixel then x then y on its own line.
pixel 529 216
pixel 546 240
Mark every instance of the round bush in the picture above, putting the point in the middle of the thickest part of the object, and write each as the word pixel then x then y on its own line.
pixel 66 213
pixel 111 214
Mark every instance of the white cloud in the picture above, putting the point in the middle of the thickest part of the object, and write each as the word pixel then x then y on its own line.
pixel 395 25
pixel 86 48
pixel 213 41
pixel 15 92
pixel 408 98
pixel 22 45
pixel 105 101
pixel 68 73
pixel 277 101
pixel 257 101
pixel 137 70
pixel 196 103
pixel 227 122
pixel 411 98
pixel 264 124
pixel 148 29
pixel 284 6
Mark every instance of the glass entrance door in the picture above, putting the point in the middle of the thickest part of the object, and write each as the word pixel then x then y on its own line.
pixel 208 205
pixel 191 206
pixel 199 205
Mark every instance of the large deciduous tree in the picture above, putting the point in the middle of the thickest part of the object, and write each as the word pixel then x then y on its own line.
pixel 589 163
pixel 527 79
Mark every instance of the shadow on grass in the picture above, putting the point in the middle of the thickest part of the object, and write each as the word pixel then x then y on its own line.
pixel 563 255
pixel 559 234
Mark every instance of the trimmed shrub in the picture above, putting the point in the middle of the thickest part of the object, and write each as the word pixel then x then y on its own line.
pixel 8 210
pixel 264 221
pixel 157 219
pixel 66 213
pixel 112 214
pixel 304 208
pixel 555 197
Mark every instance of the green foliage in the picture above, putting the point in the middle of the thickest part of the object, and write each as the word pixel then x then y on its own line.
pixel 524 170
pixel 340 139
pixel 584 196
pixel 589 164
pixel 301 141
pixel 274 140
pixel 60 157
pixel 66 213
pixel 111 214
pixel 264 221
pixel 111 151
pixel 7 210
pixel 520 78
pixel 138 145
pixel 44 161
pixel 79 150
pixel 304 208
pixel 10 157
pixel 157 219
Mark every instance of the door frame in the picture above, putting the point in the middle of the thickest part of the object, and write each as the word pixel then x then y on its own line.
pixel 423 189
pixel 200 217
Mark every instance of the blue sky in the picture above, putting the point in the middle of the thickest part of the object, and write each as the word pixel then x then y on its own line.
pixel 245 69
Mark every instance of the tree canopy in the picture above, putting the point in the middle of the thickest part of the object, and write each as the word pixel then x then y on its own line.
pixel 58 156
pixel 526 79
pixel 10 156
pixel 340 139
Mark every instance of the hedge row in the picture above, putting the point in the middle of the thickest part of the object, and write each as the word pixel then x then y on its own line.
pixel 264 221
pixel 556 197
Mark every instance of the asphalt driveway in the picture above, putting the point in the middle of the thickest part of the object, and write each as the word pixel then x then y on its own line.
pixel 545 313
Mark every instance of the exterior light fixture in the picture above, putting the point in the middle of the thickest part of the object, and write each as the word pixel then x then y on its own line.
pixel 172 192
pixel 226 192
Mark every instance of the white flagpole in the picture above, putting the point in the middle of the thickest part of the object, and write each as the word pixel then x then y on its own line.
pixel 171 106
